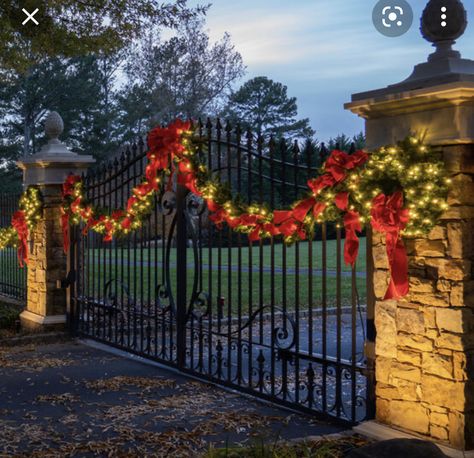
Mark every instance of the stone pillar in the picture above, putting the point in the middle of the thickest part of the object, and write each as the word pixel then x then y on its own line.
pixel 46 301
pixel 425 342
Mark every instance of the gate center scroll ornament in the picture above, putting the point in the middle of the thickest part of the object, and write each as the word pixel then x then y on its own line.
pixel 400 191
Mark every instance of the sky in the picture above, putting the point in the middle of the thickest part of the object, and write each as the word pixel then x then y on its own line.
pixel 323 51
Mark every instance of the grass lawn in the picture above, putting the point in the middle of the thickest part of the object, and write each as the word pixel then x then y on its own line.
pixel 141 271
pixel 252 256
pixel 12 276
pixel 324 448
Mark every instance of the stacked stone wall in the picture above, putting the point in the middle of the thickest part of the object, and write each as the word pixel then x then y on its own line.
pixel 425 342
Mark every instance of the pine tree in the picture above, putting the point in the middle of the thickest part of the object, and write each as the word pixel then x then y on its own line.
pixel 263 106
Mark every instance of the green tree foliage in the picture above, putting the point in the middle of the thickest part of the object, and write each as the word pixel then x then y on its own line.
pixel 264 106
pixel 311 153
pixel 77 88
pixel 71 28
pixel 345 143
pixel 186 76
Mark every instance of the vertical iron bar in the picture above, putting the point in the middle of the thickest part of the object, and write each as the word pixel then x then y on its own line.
pixel 271 147
pixel 212 300
pixel 181 265
pixel 71 292
pixel 369 346
pixel 250 262
pixel 229 258
pixel 239 261
pixel 324 313
pixel 297 282
pixel 353 342
pixel 338 324
pixel 310 267
pixel 260 243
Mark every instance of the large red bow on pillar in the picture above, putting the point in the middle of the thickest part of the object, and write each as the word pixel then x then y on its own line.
pixel 389 217
pixel 21 228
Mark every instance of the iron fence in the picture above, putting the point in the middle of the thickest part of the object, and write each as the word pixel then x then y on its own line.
pixel 285 323
pixel 12 277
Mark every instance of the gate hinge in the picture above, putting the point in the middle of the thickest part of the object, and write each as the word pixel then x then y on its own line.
pixel 68 281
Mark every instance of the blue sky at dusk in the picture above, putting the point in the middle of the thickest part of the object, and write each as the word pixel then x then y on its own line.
pixel 323 50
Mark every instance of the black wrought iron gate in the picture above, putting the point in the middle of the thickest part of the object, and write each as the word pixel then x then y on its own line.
pixel 285 323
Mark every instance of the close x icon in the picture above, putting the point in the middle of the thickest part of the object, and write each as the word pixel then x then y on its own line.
pixel 30 16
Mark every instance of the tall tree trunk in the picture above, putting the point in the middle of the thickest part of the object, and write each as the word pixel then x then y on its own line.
pixel 26 135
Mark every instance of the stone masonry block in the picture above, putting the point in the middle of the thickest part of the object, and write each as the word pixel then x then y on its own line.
pixel 379 254
pixel 442 392
pixel 452 320
pixel 458 158
pixel 461 191
pixel 434 300
pixel 405 371
pixel 451 269
pixel 410 357
pixel 430 248
pixel 415 342
pixel 437 364
pixel 421 285
pixel 410 320
pixel 440 419
pixel 381 279
pixel 439 432
pixel 409 415
pixel 437 233
pixel 402 390
pixel 460 241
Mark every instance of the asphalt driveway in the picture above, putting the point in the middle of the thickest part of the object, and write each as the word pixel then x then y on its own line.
pixel 68 399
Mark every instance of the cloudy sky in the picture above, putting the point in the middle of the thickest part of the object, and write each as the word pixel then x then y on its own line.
pixel 323 50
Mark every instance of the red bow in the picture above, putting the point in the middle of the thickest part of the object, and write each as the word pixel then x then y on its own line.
pixel 340 162
pixel 289 222
pixel 165 142
pixel 21 228
pixel 389 217
pixel 68 185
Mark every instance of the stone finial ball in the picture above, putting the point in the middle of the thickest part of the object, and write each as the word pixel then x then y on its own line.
pixel 443 20
pixel 54 125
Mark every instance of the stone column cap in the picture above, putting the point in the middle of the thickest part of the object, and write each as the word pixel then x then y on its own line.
pixel 55 161
pixel 442 115
pixel 382 103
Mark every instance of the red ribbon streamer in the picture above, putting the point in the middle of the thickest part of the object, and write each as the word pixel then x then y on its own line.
pixel 351 244
pixel 21 228
pixel 389 217
pixel 65 230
